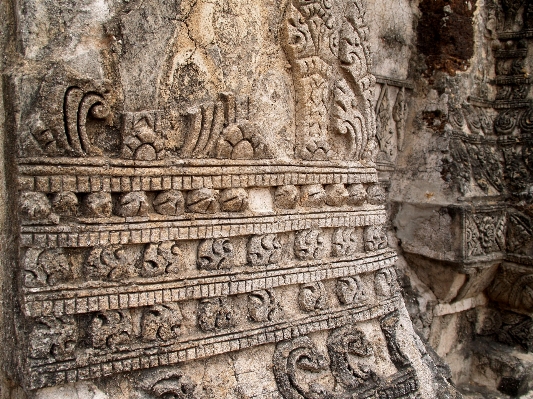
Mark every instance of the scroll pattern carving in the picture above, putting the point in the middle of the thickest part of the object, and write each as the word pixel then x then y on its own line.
pixel 176 236
pixel 346 345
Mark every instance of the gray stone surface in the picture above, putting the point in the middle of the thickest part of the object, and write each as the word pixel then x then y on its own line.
pixel 230 199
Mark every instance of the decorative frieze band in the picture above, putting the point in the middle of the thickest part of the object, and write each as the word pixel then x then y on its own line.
pixel 154 232
pixel 75 178
pixel 95 367
pixel 83 300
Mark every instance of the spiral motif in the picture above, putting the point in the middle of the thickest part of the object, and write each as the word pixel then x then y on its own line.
pixel 456 118
pixel 506 121
pixel 526 121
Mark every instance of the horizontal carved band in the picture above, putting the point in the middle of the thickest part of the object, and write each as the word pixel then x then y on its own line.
pixel 72 371
pixel 50 179
pixel 519 53
pixel 516 35
pixel 77 301
pixel 155 232
pixel 517 80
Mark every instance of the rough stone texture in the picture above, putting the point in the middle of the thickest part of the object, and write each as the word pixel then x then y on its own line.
pixel 229 199
pixel 461 189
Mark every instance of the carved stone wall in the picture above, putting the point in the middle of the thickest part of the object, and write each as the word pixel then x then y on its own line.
pixel 460 195
pixel 195 209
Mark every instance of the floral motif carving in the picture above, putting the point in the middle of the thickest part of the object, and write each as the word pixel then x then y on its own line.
pixel 161 322
pixel 312 297
pixel 309 244
pixel 485 233
pixel 386 283
pixel 215 254
pixel 350 290
pixel 222 130
pixel 264 250
pixel 345 242
pixel 263 306
pixel 142 138
pixel 133 204
pixel 215 314
pixel 375 238
pixel 326 54
pixel 111 328
pixel 162 258
pixel 46 268
pixel 112 262
pixel 204 200
pixel 513 285
pixel 346 346
pixel 53 337
pixel 167 383
pixel 170 202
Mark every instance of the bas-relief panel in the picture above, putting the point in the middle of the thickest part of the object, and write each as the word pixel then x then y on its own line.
pixel 209 219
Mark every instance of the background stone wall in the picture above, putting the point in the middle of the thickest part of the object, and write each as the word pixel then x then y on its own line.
pixel 458 183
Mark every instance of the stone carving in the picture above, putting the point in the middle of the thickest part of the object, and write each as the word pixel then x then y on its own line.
pixel 111 262
pixel 346 345
pixel 344 341
pixel 508 327
pixel 356 194
pixel 233 200
pixel 204 200
pixel 215 314
pixel 99 204
pixel 511 14
pixel 65 203
pixel 309 244
pixel 312 297
pixel 519 232
pixel 66 128
pixel 287 197
pixel 384 132
pixel 133 204
pixel 215 254
pixel 79 105
pixel 161 322
pixel 110 329
pixel 35 206
pixel 336 194
pixel 313 196
pixel 170 202
pixel 142 136
pixel 300 354
pixel 385 283
pixel 264 250
pixel 480 161
pixel 160 259
pixel 168 383
pixel 350 290
pixel 163 239
pixel 45 268
pixel 345 242
pixel 222 130
pixel 513 285
pixel 242 142
pixel 320 47
pixel 399 115
pixel 54 337
pixel 376 194
pixel 263 306
pixel 484 233
pixel 375 238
